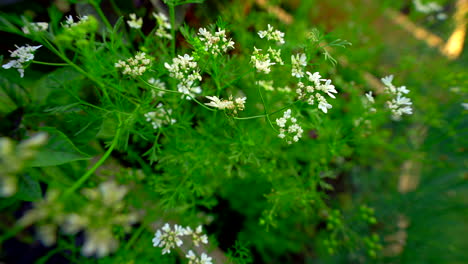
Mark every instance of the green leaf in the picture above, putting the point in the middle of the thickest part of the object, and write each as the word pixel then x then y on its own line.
pixel 55 84
pixel 59 150
pixel 29 189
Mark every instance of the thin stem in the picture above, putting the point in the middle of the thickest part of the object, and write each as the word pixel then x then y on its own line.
pixel 289 105
pixel 249 117
pixel 80 70
pixel 101 15
pixel 172 18
pixel 265 110
pixel 135 236
pixel 95 167
pixel 159 89
pixel 50 63
pixel 116 8
pixel 200 103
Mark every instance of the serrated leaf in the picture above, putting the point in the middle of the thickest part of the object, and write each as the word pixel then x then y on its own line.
pixel 55 80
pixel 58 150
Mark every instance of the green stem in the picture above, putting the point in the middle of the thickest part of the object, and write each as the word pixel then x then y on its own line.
pixel 101 14
pixel 172 18
pixel 95 167
pixel 50 63
pixel 135 236
pixel 80 70
pixel 157 88
pixel 265 110
pixel 249 117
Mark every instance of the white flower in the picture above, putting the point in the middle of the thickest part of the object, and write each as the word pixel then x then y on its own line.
pixel 328 88
pixel 157 83
pixel 272 34
pixel 204 259
pixel 35 27
pixel 99 242
pixel 323 104
pixel 369 97
pixel 294 131
pixel 185 70
pixel 167 238
pixel 134 22
pixel 261 61
pixel 160 117
pixel 387 80
pixel 398 104
pixel 298 63
pixel 427 8
pixel 69 22
pixel 163 25
pixel 221 104
pixel 316 84
pixel 197 235
pixel 23 55
pixel 135 66
pixel 216 43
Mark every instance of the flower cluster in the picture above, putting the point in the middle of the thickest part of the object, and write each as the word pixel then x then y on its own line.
pixel 272 34
pixel 398 104
pixel 157 84
pixel 163 26
pixel 261 62
pixel 135 66
pixel 314 85
pixel 233 105
pixel 193 259
pixel 185 70
pixel 168 238
pixel 69 22
pixel 293 131
pixel 35 27
pixel 216 43
pixel 103 210
pixel 298 62
pixel 135 22
pixel 23 54
pixel 13 159
pixel 160 117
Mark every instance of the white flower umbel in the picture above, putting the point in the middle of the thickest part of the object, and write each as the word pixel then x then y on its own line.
pixel 310 92
pixel 216 43
pixel 163 26
pixel 398 104
pixel 157 83
pixel 135 66
pixel 197 235
pixel 135 22
pixel 99 242
pixel 167 239
pixel 23 55
pixel 185 70
pixel 272 34
pixel 232 105
pixel 69 22
pixel 160 117
pixel 193 259
pixel 35 27
pixel 427 8
pixel 261 61
pixel 288 127
pixel 298 62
